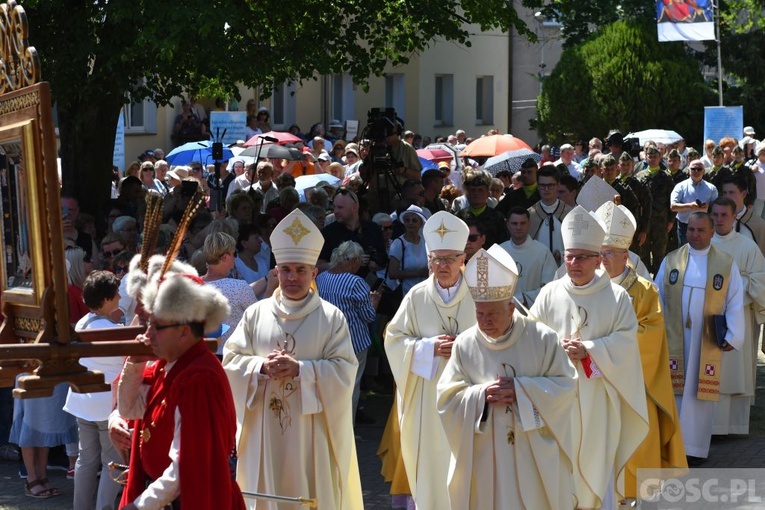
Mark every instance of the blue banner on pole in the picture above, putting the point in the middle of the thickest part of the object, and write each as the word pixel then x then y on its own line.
pixel 679 20
pixel 722 121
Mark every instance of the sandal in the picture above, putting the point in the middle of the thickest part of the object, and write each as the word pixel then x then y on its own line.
pixel 54 491
pixel 40 494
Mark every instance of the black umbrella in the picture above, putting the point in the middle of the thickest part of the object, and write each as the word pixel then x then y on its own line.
pixel 510 161
pixel 273 151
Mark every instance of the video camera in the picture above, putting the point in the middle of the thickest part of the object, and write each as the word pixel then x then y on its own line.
pixel 378 165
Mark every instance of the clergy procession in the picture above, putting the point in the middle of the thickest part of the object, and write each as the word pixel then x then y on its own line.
pixel 540 355
pixel 497 405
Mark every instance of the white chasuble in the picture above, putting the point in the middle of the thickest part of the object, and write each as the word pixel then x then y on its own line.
pixel 409 343
pixel 610 418
pixel 516 456
pixel 296 435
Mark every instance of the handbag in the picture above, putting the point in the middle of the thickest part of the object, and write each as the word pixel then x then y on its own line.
pixel 391 299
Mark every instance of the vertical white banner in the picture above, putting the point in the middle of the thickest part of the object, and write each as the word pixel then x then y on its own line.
pixel 118 158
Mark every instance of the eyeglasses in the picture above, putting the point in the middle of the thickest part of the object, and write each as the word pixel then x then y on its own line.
pixel 611 254
pixel 443 261
pixel 120 269
pixel 473 237
pixel 581 258
pixel 342 190
pixel 411 218
pixel 112 253
pixel 387 227
pixel 550 185
pixel 160 327
pixel 147 169
pixel 697 168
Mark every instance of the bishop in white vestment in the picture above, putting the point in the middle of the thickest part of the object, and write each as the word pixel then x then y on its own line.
pixel 291 366
pixel 597 328
pixel 505 399
pixel 418 342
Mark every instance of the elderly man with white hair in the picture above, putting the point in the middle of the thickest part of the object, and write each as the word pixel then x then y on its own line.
pixel 505 401
pixel 418 343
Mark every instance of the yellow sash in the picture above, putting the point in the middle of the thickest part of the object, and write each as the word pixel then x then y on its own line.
pixel 718 269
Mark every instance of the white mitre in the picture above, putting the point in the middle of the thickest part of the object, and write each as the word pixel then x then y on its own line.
pixel 491 275
pixel 445 231
pixel 581 230
pixel 296 240
pixel 619 223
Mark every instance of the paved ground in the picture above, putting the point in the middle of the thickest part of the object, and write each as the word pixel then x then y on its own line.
pixel 726 452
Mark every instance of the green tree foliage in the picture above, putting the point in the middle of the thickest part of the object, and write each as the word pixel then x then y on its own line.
pixel 622 78
pixel 99 54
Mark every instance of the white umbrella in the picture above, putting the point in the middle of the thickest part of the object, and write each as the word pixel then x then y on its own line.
pixel 665 136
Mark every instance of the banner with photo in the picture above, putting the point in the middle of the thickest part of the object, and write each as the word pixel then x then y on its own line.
pixel 685 20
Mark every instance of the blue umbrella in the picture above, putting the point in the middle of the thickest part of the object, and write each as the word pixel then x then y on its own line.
pixel 427 164
pixel 510 161
pixel 304 182
pixel 195 151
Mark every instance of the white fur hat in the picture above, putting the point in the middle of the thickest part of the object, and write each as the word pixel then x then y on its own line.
pixel 137 279
pixel 184 298
pixel 619 223
pixel 581 230
pixel 296 240
pixel 445 231
pixel 491 275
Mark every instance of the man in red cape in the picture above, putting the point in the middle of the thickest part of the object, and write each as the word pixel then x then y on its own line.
pixel 183 443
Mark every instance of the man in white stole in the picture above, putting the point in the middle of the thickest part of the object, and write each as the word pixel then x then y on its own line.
pixel 691 282
pixel 547 214
pixel 505 401
pixel 418 342
pixel 535 263
pixel 597 328
pixel 739 367
pixel 291 366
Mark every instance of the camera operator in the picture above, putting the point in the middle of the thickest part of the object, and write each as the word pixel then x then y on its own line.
pixel 406 165
pixel 348 226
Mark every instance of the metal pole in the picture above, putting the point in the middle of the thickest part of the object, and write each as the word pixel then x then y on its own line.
pixel 719 54
pixel 308 502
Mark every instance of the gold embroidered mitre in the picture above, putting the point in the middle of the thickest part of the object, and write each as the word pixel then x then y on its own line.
pixel 491 275
pixel 296 240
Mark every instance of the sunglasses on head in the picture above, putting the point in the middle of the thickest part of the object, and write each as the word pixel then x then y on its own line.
pixel 342 190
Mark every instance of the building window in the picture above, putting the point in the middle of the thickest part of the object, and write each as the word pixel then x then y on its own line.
pixel 484 100
pixel 394 93
pixel 343 97
pixel 444 97
pixel 140 118
pixel 283 106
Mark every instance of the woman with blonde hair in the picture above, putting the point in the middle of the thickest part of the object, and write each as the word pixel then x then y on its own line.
pixel 220 256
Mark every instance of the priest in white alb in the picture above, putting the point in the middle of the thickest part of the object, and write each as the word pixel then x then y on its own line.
pixel 663 446
pixel 418 341
pixel 739 367
pixel 291 366
pixel 597 328
pixel 505 401
pixel 547 214
pixel 700 285
pixel 535 263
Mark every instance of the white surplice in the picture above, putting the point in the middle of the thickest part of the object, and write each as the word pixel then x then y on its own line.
pixel 697 416
pixel 536 267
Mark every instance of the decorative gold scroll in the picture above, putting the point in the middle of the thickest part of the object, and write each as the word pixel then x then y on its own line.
pixel 19 63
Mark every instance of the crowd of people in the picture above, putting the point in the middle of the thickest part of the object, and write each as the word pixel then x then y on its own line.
pixel 539 343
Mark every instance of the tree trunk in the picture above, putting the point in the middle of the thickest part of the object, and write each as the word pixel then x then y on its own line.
pixel 87 134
